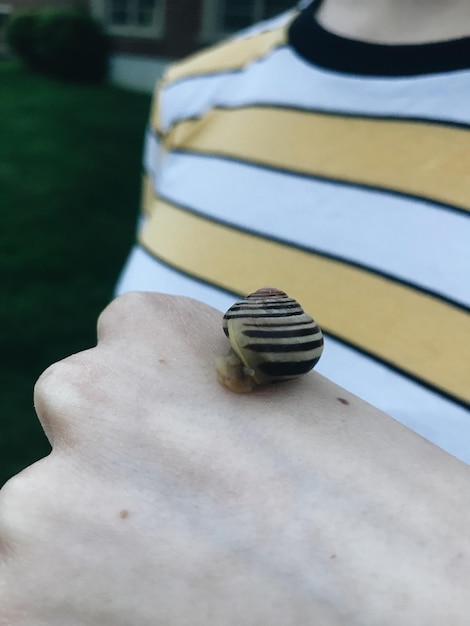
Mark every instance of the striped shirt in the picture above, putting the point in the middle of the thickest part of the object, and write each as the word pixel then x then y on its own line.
pixel 339 172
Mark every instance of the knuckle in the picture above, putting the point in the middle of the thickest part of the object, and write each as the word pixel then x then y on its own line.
pixel 124 310
pixel 49 384
pixel 16 506
pixel 27 502
pixel 59 397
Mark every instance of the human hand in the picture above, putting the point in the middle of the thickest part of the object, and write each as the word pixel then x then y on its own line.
pixel 170 500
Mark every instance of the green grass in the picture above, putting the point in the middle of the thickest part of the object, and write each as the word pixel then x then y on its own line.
pixel 70 167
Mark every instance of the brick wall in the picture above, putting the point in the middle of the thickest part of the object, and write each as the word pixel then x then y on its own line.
pixel 182 26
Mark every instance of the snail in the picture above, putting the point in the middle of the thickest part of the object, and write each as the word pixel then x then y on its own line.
pixel 272 339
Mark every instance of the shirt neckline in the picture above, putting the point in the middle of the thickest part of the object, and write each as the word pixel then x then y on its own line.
pixel 341 54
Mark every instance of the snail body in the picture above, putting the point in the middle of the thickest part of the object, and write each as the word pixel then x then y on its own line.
pixel 272 339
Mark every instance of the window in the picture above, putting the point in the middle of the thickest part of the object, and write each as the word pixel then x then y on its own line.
pixel 222 17
pixel 5 12
pixel 133 18
pixel 130 12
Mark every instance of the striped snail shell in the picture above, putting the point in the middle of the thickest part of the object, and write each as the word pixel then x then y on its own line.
pixel 272 339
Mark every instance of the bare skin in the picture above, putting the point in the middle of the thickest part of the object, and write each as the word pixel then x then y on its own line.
pixel 396 21
pixel 170 500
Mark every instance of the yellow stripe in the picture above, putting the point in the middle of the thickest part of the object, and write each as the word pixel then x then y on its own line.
pixel 228 56
pixel 420 334
pixel 415 158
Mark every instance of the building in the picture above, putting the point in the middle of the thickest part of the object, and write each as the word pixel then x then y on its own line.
pixel 146 34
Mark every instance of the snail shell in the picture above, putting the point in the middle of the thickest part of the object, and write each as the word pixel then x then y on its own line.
pixel 272 339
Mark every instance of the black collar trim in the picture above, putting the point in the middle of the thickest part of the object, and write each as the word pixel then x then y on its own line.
pixel 333 52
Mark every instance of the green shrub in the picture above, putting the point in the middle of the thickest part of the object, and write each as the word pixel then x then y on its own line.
pixel 66 43
pixel 71 45
pixel 20 35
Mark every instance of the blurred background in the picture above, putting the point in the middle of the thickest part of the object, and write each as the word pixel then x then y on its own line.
pixel 75 88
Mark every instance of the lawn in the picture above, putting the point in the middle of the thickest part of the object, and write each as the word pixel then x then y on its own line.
pixel 70 172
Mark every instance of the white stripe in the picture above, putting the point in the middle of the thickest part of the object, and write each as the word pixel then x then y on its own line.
pixel 409 239
pixel 151 156
pixel 438 420
pixel 284 79
pixel 142 273
pixel 151 150
pixel 442 422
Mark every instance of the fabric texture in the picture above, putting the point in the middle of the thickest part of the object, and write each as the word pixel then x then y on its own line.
pixel 337 171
